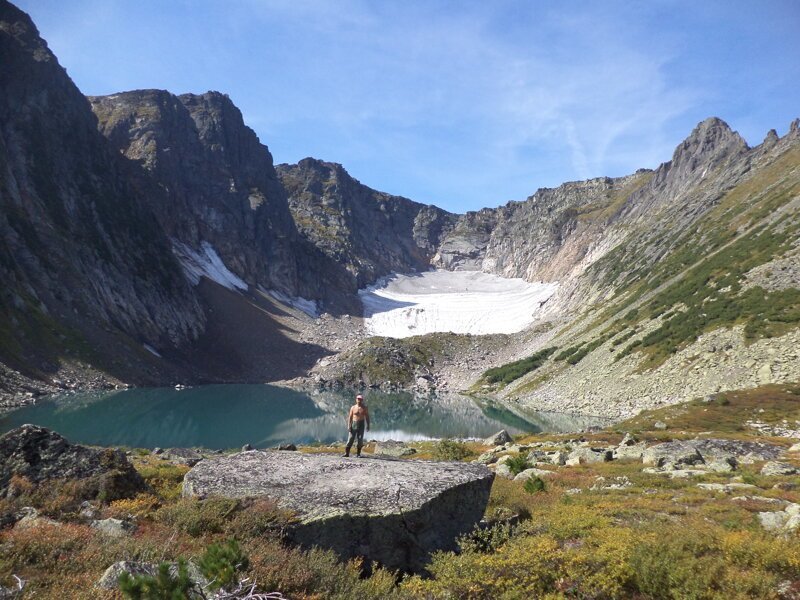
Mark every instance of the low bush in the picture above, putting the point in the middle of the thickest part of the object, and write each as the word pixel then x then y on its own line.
pixel 221 564
pixel 517 464
pixel 451 450
pixel 142 505
pixel 534 485
pixel 199 517
pixel 166 479
pixel 162 586
pixel 486 539
pixel 511 371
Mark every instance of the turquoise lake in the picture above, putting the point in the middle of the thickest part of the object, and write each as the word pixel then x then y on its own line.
pixel 229 416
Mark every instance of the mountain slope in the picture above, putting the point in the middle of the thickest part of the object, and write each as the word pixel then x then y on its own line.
pixel 82 264
pixel 707 301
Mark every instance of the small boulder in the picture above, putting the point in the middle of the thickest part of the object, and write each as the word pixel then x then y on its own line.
pixel 660 425
pixel 487 458
pixel 498 439
pixel 29 518
pixel 529 473
pixel 558 458
pixel 628 440
pixel 110 578
pixel 288 447
pixel 247 448
pixel 778 468
pixel 114 527
pixel 393 448
pixel 627 452
pixel 87 511
pixel 503 470
pixel 773 521
pixel 182 456
pixel 676 453
pixel 585 455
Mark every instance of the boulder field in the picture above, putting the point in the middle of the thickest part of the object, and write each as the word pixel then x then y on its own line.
pixel 394 512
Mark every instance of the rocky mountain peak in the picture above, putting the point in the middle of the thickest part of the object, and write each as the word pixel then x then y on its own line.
pixel 771 139
pixel 794 128
pixel 709 143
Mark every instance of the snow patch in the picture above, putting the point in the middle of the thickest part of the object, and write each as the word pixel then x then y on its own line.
pixel 457 301
pixel 205 263
pixel 151 350
pixel 307 306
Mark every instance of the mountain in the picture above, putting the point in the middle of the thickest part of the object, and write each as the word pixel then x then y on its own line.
pixel 148 238
pixel 82 263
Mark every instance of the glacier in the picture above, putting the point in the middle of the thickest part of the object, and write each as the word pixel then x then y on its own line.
pixel 403 305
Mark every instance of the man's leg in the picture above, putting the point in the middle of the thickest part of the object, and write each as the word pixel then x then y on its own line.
pixel 360 443
pixel 350 440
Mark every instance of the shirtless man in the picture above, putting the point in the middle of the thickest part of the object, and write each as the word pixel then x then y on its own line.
pixel 356 419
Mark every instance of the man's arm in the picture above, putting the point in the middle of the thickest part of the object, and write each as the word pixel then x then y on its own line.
pixel 349 417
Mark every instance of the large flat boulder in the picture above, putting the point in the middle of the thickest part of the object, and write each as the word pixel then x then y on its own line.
pixel 395 512
pixel 39 455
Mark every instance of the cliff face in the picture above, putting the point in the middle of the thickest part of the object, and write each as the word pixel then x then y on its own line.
pixel 219 179
pixel 80 253
pixel 370 233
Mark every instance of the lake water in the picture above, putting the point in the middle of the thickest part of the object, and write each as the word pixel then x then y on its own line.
pixel 229 416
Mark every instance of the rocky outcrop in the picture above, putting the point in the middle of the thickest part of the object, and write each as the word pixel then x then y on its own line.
pixel 391 511
pixel 370 233
pixel 709 451
pixel 38 454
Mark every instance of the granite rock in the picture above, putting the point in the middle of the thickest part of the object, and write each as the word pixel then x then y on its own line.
pixel 394 512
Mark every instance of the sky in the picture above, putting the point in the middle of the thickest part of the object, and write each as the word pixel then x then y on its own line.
pixel 462 103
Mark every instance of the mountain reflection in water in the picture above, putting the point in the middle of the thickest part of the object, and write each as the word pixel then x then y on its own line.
pixel 227 416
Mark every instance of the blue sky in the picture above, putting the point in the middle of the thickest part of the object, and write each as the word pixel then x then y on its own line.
pixel 460 103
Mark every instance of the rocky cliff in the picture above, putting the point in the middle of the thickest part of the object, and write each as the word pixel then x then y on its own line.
pixel 370 233
pixel 222 189
pixel 82 262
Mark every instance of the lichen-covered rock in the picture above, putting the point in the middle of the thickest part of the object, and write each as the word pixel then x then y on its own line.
pixel 182 456
pixel 530 473
pixel 393 448
pixel 498 439
pixel 38 454
pixel 114 527
pixel 779 468
pixel 585 455
pixel 391 511
pixel 717 453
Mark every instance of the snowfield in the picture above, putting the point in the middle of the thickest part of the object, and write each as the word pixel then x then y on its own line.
pixel 458 301
pixel 206 263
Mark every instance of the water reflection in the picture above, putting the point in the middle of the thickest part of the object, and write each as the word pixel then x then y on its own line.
pixel 227 416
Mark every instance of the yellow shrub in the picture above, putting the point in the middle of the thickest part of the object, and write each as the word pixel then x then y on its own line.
pixel 143 505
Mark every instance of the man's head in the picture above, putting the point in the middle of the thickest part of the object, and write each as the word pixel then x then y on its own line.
pixel 359 399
